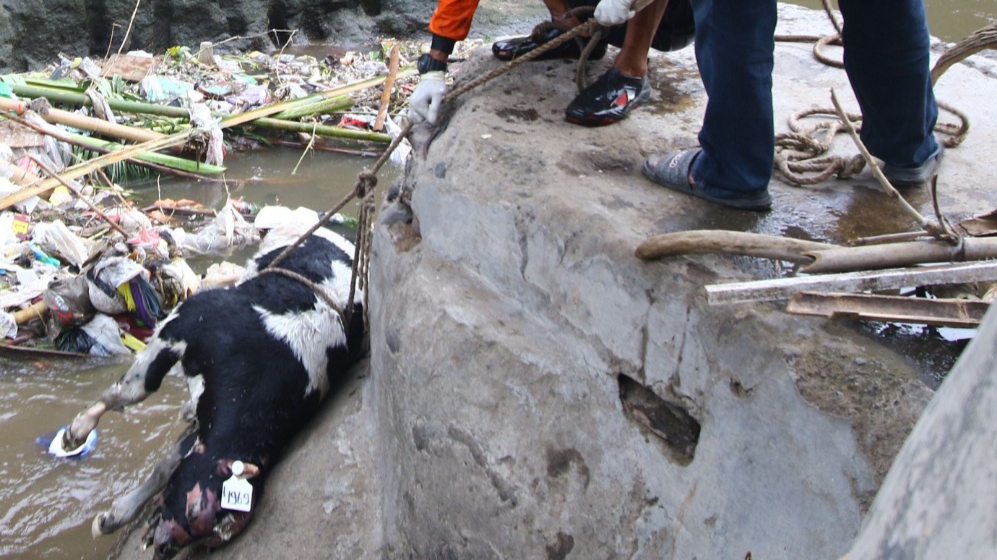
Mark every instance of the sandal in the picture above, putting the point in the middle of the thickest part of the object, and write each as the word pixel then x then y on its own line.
pixel 608 100
pixel 544 32
pixel 672 172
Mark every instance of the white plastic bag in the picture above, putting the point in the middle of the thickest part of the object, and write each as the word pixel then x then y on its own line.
pixel 55 236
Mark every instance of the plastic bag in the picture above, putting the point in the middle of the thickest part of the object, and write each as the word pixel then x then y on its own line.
pixel 229 229
pixel 68 301
pixel 99 337
pixel 56 237
pixel 104 279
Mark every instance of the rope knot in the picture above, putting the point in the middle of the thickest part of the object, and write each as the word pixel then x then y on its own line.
pixel 366 181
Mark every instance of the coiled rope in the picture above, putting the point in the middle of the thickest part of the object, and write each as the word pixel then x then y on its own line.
pixel 801 155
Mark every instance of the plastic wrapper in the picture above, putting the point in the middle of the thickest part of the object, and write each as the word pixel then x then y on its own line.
pixel 229 229
pixel 68 301
pixel 99 337
pixel 8 326
pixel 104 279
pixel 130 219
pixel 55 237
pixel 222 274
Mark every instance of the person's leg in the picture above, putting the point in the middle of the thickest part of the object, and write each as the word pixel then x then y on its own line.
pixel 559 12
pixel 632 58
pixel 887 61
pixel 735 42
pixel 561 20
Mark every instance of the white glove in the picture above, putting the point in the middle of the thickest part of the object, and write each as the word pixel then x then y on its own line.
pixel 424 103
pixel 613 12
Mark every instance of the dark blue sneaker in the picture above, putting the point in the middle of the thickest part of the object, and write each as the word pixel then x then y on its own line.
pixel 608 100
pixel 544 32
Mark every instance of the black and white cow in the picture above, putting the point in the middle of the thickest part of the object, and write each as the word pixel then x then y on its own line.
pixel 258 358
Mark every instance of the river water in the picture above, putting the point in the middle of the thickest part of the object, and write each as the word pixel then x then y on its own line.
pixel 949 20
pixel 46 505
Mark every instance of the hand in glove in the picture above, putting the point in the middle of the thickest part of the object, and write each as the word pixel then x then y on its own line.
pixel 424 103
pixel 614 12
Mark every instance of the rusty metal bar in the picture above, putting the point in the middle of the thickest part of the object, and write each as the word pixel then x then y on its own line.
pixel 963 313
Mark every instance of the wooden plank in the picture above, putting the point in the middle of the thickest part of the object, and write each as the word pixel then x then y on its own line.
pixel 17 136
pixel 962 313
pixel 784 288
pixel 130 68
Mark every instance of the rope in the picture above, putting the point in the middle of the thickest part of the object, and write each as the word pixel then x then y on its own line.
pixel 588 27
pixel 367 180
pixel 364 190
pixel 801 154
pixel 315 288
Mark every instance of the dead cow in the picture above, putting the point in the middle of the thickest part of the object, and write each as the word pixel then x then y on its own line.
pixel 258 358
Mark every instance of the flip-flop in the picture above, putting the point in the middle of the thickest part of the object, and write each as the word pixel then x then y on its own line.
pixel 672 172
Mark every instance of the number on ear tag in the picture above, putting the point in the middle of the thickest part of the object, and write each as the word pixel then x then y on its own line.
pixel 237 494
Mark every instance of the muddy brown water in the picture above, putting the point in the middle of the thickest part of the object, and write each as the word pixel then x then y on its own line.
pixel 47 504
pixel 949 20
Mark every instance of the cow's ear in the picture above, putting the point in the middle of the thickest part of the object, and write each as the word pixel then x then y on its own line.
pixel 249 470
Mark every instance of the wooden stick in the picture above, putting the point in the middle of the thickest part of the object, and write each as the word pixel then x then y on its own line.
pixel 729 243
pixel 783 288
pixel 86 200
pixel 892 255
pixel 389 85
pixel 876 171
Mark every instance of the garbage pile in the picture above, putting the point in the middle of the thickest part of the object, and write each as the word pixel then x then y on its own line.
pixel 85 271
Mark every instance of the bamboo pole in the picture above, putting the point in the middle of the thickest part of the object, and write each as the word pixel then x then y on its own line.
pixel 21 177
pixel 87 167
pixel 784 288
pixel 38 309
pixel 163 160
pixel 72 98
pixel 160 163
pixel 58 116
pixel 338 103
pixel 322 130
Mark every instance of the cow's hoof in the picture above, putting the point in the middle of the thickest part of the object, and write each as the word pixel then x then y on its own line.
pixel 69 442
pixel 99 526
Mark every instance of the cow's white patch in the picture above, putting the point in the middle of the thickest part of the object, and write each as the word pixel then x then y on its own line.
pixel 195 387
pixel 337 287
pixel 309 334
pixel 133 382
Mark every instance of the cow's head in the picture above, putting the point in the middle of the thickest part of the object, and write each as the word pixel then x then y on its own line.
pixel 190 508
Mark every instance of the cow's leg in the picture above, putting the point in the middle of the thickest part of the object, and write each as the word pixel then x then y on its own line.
pixel 141 380
pixel 127 507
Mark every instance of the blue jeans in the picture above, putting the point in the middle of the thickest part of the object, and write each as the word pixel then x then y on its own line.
pixel 886 59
